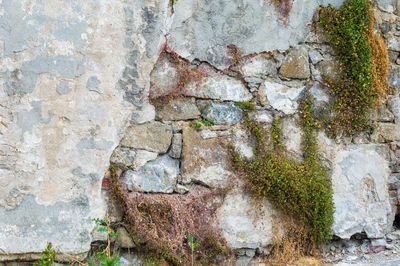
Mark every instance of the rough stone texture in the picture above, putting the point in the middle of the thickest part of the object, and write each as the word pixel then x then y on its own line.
pixel 203 30
pixel 204 160
pixel 257 68
pixel 132 158
pixel 154 136
pixel 360 175
pixel 296 64
pixel 164 78
pixel 178 109
pixel 159 175
pixel 243 224
pixel 176 146
pixel 282 97
pixel 386 132
pixel 70 72
pixel 223 113
pixel 218 87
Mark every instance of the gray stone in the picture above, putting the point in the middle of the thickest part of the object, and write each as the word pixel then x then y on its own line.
pixel 143 114
pixel 176 146
pixel 296 64
pixel 386 132
pixel 386 5
pixel 204 160
pixel 394 104
pixel 203 30
pixel 320 95
pixel 124 240
pixel 283 98
pixel 315 56
pixel 360 191
pixel 153 136
pixel 243 224
pixel 328 68
pixel 159 176
pixel 394 182
pixel 257 68
pixel 132 158
pixel 218 87
pixel 178 109
pixel 223 113
pixel 164 78
pixel 394 77
pixel 393 43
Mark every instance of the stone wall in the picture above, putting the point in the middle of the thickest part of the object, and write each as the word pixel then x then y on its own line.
pixel 81 83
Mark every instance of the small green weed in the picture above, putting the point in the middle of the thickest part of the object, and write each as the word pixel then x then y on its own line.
pixel 104 258
pixel 48 257
pixel 202 123
pixel 193 246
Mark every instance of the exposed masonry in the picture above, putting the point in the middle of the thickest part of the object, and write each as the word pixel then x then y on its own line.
pixel 76 81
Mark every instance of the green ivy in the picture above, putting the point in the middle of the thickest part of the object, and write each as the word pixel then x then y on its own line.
pixel 301 189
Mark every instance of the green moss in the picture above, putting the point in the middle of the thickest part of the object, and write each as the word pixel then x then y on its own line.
pixel 301 189
pixel 347 30
pixel 198 124
pixel 246 106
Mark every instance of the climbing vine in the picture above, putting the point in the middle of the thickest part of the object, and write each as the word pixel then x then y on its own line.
pixel 301 190
pixel 363 64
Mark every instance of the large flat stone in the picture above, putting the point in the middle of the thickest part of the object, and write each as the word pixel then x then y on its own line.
pixel 243 223
pixel 296 65
pixel 153 136
pixel 360 176
pixel 203 30
pixel 218 87
pixel 204 160
pixel 281 97
pixel 178 109
pixel 159 175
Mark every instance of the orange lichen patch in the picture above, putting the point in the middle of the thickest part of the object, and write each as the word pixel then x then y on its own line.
pixel 380 60
pixel 160 224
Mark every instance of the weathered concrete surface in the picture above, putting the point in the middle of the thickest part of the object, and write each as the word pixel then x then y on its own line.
pixel 72 72
pixel 204 29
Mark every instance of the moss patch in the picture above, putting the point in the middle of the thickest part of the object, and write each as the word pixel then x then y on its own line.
pixel 362 55
pixel 302 190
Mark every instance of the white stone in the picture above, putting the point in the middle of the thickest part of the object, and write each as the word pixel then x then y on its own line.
pixel 360 175
pixel 283 98
pixel 218 87
pixel 291 136
pixel 243 223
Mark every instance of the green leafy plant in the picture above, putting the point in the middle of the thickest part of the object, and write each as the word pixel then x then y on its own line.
pixel 105 258
pixel 193 246
pixel 48 257
pixel 301 189
pixel 202 123
pixel 363 64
